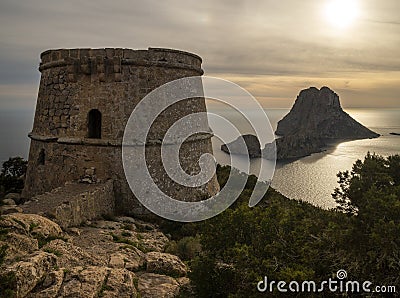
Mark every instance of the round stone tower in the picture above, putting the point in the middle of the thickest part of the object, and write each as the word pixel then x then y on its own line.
pixel 85 99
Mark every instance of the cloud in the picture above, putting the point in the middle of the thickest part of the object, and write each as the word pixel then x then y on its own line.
pixel 22 96
pixel 247 39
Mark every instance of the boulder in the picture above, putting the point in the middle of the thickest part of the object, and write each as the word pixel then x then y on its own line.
pixel 120 283
pixel 164 263
pixel 157 286
pixel 74 231
pixel 16 197
pixel 31 224
pixel 50 286
pixel 10 209
pixel 9 202
pixel 70 255
pixel 154 241
pixel 134 258
pixel 83 282
pixel 117 260
pixel 27 274
pixel 98 282
pixel 19 246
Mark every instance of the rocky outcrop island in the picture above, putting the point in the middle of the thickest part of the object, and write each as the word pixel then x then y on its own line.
pixel 318 113
pixel 315 120
pixel 252 144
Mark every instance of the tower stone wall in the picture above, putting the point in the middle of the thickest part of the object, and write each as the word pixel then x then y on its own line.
pixel 84 102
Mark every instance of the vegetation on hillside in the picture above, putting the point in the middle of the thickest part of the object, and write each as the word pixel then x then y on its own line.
pixel 11 176
pixel 290 240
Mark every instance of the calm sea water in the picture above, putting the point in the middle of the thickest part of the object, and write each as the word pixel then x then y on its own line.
pixel 311 179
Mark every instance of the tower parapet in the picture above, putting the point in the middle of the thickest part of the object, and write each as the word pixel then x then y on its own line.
pixel 106 63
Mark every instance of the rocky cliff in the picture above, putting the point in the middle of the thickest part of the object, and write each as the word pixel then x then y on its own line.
pixel 316 119
pixel 252 144
pixel 318 113
pixel 293 147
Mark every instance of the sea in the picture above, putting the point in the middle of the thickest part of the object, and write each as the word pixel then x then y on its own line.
pixel 312 178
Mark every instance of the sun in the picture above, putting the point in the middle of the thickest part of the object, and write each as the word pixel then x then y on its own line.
pixel 341 13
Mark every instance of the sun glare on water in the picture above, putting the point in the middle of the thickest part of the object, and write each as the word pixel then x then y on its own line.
pixel 341 13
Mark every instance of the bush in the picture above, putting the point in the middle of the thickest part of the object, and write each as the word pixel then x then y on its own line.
pixel 289 240
pixel 14 167
pixel 11 177
pixel 186 248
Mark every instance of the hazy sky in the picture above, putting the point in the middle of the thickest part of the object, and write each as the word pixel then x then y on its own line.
pixel 272 48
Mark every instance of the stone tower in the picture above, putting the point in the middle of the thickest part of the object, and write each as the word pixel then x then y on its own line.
pixel 85 99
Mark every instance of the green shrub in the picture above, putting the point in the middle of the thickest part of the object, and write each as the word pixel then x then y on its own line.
pixel 186 248
pixel 3 250
pixel 290 240
pixel 7 285
pixel 11 175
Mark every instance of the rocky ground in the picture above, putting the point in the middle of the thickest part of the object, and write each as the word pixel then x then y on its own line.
pixel 119 257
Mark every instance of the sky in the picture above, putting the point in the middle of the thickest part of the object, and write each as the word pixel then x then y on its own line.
pixel 272 48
